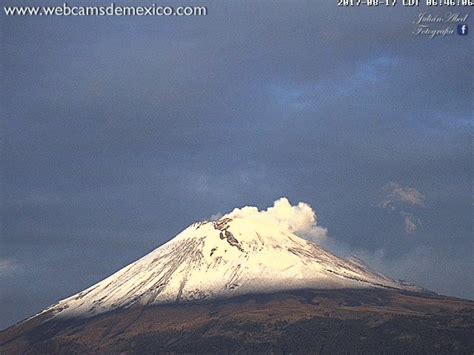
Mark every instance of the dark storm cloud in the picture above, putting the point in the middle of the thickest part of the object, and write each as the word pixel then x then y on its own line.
pixel 119 132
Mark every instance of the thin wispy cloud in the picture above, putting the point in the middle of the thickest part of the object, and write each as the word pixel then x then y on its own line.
pixel 8 266
pixel 411 223
pixel 394 195
pixel 403 200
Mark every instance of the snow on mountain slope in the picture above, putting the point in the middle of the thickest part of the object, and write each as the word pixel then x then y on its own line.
pixel 245 251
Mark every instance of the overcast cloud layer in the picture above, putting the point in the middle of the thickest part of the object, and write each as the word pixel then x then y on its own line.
pixel 120 132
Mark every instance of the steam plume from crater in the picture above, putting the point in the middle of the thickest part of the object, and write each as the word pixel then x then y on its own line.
pixel 300 219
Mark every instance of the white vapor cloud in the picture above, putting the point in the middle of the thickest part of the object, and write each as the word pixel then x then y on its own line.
pixel 216 216
pixel 411 223
pixel 394 195
pixel 300 219
pixel 398 198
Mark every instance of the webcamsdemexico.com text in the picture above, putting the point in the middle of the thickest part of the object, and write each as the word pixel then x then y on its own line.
pixel 112 9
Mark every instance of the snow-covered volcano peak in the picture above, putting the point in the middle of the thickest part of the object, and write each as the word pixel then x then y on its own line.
pixel 246 251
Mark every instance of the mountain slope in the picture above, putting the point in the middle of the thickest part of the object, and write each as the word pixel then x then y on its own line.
pixel 232 256
pixel 247 283
pixel 359 321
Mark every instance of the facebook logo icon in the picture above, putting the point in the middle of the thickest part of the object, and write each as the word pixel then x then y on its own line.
pixel 462 30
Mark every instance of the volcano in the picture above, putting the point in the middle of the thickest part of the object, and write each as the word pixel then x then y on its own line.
pixel 247 282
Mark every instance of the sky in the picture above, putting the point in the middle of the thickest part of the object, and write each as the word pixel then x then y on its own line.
pixel 117 133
